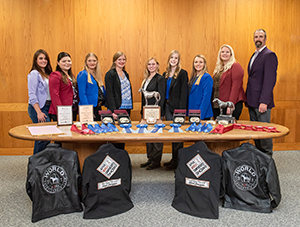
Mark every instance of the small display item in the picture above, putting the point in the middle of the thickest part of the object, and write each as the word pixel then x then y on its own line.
pixel 85 113
pixel 151 114
pixel 64 115
pixel 194 116
pixel 223 122
pixel 151 120
pixel 212 122
pixel 126 128
pixel 122 116
pixel 179 116
pixel 221 129
pixel 106 116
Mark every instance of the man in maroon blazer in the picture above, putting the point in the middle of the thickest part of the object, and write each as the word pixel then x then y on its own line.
pixel 262 71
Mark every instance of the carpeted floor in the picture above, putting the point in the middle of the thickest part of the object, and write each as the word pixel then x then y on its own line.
pixel 152 194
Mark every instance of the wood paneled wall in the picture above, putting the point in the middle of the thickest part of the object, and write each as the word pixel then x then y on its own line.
pixel 142 29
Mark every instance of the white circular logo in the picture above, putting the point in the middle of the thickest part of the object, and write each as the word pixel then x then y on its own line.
pixel 54 179
pixel 245 177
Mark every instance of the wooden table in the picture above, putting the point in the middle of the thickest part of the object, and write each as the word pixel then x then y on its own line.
pixel 85 145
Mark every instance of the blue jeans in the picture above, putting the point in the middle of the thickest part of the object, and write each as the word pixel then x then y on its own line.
pixel 38 145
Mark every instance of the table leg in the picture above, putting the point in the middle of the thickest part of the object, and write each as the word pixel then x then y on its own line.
pixel 83 149
pixel 218 146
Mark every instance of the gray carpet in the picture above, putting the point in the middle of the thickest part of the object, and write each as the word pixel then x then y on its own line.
pixel 152 194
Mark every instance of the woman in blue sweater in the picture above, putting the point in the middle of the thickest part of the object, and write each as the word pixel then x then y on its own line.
pixel 91 90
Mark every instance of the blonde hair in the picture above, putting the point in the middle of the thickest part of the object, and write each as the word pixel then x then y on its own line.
pixel 220 65
pixel 194 71
pixel 147 73
pixel 115 57
pixel 178 67
pixel 97 75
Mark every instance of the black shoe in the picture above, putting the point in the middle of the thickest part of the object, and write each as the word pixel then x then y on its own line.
pixel 171 167
pixel 143 165
pixel 152 166
pixel 168 163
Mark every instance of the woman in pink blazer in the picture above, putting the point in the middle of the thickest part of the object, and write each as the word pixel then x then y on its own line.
pixel 228 82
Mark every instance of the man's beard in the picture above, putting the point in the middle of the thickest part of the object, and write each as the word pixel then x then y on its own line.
pixel 258 44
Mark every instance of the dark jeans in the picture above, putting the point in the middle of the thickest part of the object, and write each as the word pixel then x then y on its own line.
pixel 264 145
pixel 38 145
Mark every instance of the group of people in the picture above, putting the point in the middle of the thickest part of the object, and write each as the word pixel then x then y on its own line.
pixel 49 89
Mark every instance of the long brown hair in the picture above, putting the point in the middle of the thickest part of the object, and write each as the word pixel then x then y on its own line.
pixel 35 66
pixel 65 76
pixel 115 57
pixel 178 67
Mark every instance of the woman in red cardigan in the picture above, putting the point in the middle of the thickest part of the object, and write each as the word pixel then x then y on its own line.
pixel 63 86
pixel 228 82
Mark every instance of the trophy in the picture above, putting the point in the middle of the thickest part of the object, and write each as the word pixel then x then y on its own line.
pixel 151 113
pixel 224 117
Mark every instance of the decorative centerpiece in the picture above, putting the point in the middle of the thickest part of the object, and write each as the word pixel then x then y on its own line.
pixel 151 113
pixel 225 117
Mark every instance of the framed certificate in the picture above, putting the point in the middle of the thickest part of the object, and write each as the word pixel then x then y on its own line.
pixel 86 114
pixel 64 115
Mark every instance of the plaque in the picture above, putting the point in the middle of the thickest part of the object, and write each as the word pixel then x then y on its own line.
pixel 64 115
pixel 151 114
pixel 86 114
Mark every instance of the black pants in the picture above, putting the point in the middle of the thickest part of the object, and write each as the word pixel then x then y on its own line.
pixel 154 152
pixel 122 145
pixel 175 146
pixel 97 116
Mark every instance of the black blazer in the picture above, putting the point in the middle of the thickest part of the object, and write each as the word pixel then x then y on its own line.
pixel 113 89
pixel 178 91
pixel 157 83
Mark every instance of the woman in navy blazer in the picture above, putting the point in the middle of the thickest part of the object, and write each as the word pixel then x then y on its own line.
pixel 38 92
pixel 228 82
pixel 90 84
pixel 153 82
pixel 118 88
pixel 200 88
pixel 176 97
